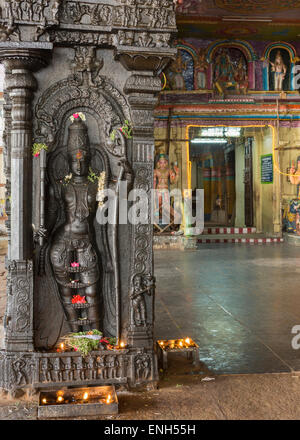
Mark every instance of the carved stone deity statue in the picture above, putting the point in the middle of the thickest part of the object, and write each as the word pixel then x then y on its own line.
pixel 201 66
pixel 280 70
pixel 164 175
pixel 241 77
pixel 175 73
pixel 223 71
pixel 72 254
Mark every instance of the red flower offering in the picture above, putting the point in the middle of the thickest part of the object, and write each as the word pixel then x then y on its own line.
pixel 36 154
pixel 104 340
pixel 77 299
pixel 74 264
pixel 75 115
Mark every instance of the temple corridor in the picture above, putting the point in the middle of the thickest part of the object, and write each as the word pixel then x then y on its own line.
pixel 238 302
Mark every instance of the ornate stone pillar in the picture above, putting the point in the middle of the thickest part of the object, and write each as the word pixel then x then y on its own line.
pixel 277 193
pixel 142 89
pixel 20 62
pixel 7 160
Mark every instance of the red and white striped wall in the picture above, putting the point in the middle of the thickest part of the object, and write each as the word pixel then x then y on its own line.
pixel 224 230
pixel 241 240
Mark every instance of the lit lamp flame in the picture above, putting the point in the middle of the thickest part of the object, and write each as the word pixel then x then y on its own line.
pixel 188 341
pixel 122 344
pixel 108 400
pixel 44 401
pixel 62 346
pixel 60 399
pixel 85 396
pixel 181 343
pixel 161 342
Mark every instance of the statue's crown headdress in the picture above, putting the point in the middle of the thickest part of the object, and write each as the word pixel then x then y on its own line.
pixel 78 138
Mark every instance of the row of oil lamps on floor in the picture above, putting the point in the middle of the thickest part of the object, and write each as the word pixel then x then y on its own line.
pixel 84 398
pixel 177 344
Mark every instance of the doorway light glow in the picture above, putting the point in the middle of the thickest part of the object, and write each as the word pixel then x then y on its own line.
pixel 209 141
pixel 221 132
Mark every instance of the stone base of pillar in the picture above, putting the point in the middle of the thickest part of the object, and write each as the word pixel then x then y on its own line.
pixel 18 319
pixel 22 372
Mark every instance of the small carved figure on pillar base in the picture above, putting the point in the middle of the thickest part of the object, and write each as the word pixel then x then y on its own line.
pixel 142 368
pixel 69 369
pixel 57 366
pixel 19 366
pixel 140 287
pixel 91 363
pixel 46 368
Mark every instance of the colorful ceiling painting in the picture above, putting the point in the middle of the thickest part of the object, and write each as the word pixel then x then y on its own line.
pixel 257 6
pixel 259 19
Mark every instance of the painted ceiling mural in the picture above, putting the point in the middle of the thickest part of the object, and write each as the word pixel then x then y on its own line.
pixel 257 6
pixel 224 7
pixel 263 19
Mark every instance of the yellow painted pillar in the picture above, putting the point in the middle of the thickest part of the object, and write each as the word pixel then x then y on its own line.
pixel 207 192
pixel 213 186
pixel 230 188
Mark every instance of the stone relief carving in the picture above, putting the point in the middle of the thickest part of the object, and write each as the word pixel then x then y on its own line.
pixel 86 63
pixel 18 316
pixel 96 38
pixel 31 10
pixel 142 285
pixel 142 367
pixel 49 17
pixel 94 95
pixel 17 371
pixel 87 89
pixel 9 31
pixel 42 14
pixel 78 368
pixel 131 13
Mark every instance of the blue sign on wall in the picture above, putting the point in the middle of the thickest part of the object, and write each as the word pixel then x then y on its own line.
pixel 267 168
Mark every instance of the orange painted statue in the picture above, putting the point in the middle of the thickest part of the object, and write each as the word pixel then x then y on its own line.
pixel 292 214
pixel 163 176
pixel 241 77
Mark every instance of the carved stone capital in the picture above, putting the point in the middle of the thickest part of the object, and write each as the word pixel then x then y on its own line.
pixel 144 59
pixel 28 56
pixel 143 84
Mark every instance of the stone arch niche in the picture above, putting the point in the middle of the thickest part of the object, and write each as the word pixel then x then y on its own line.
pixel 287 58
pixel 102 105
pixel 180 74
pixel 240 50
pixel 116 51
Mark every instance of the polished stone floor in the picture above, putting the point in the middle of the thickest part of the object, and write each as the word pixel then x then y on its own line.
pixel 238 302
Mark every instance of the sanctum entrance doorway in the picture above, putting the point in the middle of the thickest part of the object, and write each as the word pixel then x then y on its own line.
pixel 234 167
